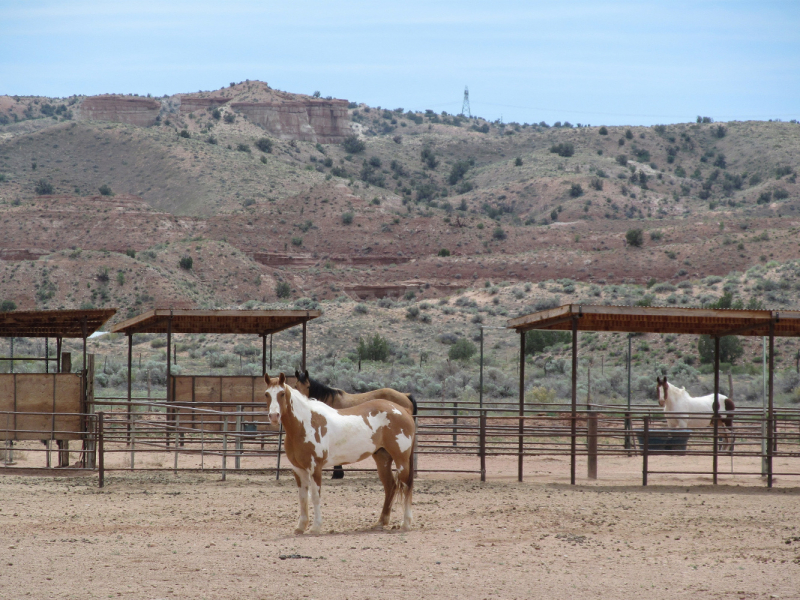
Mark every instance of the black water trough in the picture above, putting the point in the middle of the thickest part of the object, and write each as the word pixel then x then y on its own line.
pixel 664 441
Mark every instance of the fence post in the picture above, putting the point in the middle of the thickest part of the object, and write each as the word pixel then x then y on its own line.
pixel 455 423
pixel 132 432
pixel 101 460
pixel 280 443
pixel 591 425
pixel 177 434
pixel 224 447
pixel 645 449
pixel 482 445
pixel 238 436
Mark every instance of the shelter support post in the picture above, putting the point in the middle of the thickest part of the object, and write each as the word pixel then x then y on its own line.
pixel 264 355
pixel 715 407
pixel 628 414
pixel 574 417
pixel 521 403
pixel 130 388
pixel 591 439
pixel 304 346
pixel 101 460
pixel 169 376
pixel 645 449
pixel 771 403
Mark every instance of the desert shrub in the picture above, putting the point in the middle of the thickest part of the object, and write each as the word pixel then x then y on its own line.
pixel 347 218
pixel 243 148
pixel 360 309
pixel 412 312
pixel 537 341
pixel 297 241
pixel 656 235
pixel 546 303
pixel 622 160
pixel 634 237
pixel 596 184
pixel 575 190
pixel 43 187
pixel 444 252
pixel 603 130
pixel 518 162
pixel 457 171
pixel 564 149
pixel 780 194
pixel 211 140
pixel 186 263
pixel 463 349
pixel 764 198
pixel 216 114
pixel 499 234
pixel 353 145
pixel 229 117
pixel 375 348
pixel 730 349
pixel 265 145
pixel 8 306
pixel 428 158
pixel 283 289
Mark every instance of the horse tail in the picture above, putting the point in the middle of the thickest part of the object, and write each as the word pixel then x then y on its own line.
pixel 413 404
pixel 729 408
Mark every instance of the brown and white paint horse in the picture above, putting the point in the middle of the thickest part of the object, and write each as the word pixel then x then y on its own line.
pixel 340 399
pixel 679 407
pixel 318 435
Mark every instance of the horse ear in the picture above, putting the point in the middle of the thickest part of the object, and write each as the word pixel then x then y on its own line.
pixel 306 374
pixel 297 374
pixel 266 378
pixel 281 379
pixel 658 380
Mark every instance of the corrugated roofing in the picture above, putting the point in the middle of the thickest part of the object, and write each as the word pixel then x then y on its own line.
pixel 640 319
pixel 53 323
pixel 257 322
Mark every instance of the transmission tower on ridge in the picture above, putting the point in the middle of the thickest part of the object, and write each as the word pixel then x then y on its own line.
pixel 465 105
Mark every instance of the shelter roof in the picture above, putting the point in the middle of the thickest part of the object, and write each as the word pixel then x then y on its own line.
pixel 258 322
pixel 640 319
pixel 53 323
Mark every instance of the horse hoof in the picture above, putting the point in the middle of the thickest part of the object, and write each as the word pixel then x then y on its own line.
pixel 377 527
pixel 315 530
pixel 299 531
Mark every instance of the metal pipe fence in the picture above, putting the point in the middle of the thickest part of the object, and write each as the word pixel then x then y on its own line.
pixel 155 435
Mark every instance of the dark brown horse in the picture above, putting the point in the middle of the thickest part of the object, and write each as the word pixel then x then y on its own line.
pixel 340 399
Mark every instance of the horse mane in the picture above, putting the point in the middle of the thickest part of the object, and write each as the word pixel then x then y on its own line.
pixel 320 391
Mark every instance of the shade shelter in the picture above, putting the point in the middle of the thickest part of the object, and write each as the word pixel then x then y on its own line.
pixel 249 322
pixel 47 405
pixel 716 323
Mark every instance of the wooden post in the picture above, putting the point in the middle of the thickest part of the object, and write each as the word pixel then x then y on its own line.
pixel 305 323
pixel 482 447
pixel 224 447
pixel 264 355
pixel 238 437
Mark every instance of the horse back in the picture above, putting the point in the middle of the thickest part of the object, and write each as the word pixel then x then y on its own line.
pixel 388 394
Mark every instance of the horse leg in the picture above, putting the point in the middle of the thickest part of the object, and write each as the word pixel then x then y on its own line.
pixel 338 472
pixel 383 460
pixel 301 477
pixel 405 475
pixel 316 485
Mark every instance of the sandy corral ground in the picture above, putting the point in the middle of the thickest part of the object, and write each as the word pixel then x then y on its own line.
pixel 154 535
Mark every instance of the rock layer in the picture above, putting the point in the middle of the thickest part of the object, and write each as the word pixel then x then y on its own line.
pixel 323 121
pixel 120 109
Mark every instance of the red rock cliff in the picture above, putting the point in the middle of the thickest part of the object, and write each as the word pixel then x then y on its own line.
pixel 323 121
pixel 120 109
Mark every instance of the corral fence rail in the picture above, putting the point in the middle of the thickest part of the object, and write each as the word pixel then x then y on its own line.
pixel 138 435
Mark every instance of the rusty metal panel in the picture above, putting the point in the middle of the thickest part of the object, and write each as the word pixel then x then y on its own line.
pixel 40 406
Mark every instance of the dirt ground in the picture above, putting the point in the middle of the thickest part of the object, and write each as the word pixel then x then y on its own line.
pixel 153 535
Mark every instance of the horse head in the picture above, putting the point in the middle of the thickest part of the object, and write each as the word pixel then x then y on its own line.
pixel 275 392
pixel 303 384
pixel 661 390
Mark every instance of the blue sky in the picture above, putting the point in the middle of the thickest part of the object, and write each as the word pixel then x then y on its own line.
pixel 600 62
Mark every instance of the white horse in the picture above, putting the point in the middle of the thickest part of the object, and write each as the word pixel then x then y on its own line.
pixel 679 406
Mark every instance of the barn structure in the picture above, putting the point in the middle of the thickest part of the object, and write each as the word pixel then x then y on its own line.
pixel 716 323
pixel 51 405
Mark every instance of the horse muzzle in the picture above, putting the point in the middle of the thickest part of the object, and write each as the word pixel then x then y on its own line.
pixel 274 418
